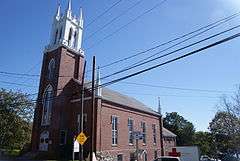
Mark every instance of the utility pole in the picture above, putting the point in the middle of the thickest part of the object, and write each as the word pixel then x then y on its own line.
pixel 93 109
pixel 161 126
pixel 81 113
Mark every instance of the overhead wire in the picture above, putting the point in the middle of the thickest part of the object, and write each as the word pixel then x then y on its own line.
pixel 113 20
pixel 103 13
pixel 122 27
pixel 168 42
pixel 170 53
pixel 172 60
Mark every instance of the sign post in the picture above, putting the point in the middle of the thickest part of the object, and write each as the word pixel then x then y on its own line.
pixel 137 135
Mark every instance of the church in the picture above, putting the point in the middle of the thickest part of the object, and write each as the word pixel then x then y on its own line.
pixel 109 121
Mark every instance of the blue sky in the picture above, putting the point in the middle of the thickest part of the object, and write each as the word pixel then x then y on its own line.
pixel 26 25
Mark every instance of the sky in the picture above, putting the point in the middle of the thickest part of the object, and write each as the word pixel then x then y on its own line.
pixel 25 31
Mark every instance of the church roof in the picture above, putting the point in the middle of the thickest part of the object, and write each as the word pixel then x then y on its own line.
pixel 167 133
pixel 118 98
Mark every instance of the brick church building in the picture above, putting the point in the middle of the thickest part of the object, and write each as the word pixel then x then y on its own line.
pixel 57 113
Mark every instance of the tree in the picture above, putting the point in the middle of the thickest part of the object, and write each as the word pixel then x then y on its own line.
pixel 16 115
pixel 204 140
pixel 225 127
pixel 181 127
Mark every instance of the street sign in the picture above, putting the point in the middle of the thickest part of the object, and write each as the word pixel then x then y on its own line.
pixel 137 135
pixel 81 138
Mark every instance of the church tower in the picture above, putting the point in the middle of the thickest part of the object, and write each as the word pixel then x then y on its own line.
pixel 63 60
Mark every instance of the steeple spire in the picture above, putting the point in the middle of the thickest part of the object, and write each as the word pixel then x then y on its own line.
pixel 58 13
pixel 69 5
pixel 69 9
pixel 98 84
pixel 159 106
pixel 81 18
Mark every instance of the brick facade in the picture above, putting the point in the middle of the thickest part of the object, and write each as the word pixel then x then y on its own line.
pixel 65 112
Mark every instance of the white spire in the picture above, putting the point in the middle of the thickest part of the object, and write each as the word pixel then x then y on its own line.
pixel 69 9
pixel 81 18
pixel 69 5
pixel 98 84
pixel 159 106
pixel 58 13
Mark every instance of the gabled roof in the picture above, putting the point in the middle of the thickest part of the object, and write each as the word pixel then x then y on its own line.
pixel 167 133
pixel 118 98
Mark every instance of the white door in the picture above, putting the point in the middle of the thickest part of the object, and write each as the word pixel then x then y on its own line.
pixel 44 137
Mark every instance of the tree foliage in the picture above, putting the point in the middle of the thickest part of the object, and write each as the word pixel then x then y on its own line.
pixel 181 127
pixel 225 127
pixel 16 115
pixel 204 140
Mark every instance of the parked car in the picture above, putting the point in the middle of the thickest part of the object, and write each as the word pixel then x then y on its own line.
pixel 168 158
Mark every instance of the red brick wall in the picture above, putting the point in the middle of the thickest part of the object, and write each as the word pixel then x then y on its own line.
pixel 104 143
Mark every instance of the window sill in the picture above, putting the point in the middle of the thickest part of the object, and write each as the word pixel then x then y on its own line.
pixel 130 144
pixel 114 145
pixel 144 144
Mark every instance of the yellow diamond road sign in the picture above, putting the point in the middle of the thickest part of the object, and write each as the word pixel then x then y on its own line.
pixel 81 138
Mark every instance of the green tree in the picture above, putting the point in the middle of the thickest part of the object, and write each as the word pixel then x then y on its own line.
pixel 16 114
pixel 204 140
pixel 181 127
pixel 225 127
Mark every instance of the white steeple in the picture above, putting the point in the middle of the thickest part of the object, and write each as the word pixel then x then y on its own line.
pixel 159 106
pixel 69 9
pixel 67 30
pixel 58 13
pixel 98 84
pixel 81 18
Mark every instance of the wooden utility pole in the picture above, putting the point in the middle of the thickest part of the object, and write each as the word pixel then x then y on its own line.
pixel 93 109
pixel 81 114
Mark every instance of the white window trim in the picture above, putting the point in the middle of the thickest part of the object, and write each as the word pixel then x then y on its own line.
pixel 48 89
pixel 130 132
pixel 114 131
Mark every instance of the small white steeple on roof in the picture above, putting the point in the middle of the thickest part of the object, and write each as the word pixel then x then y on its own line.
pixel 159 106
pixel 98 84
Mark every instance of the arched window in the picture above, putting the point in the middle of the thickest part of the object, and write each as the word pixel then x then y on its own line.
pixel 44 138
pixel 75 39
pixel 56 35
pixel 51 69
pixel 60 34
pixel 70 36
pixel 47 105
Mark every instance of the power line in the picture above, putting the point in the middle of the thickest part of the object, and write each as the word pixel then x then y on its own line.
pixel 168 42
pixel 122 27
pixel 114 19
pixel 164 95
pixel 170 53
pixel 18 84
pixel 172 60
pixel 177 88
pixel 103 13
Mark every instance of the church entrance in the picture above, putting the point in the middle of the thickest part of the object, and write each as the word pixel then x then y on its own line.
pixel 44 138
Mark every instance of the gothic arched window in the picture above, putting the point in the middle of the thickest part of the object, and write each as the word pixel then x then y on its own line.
pixel 51 69
pixel 60 34
pixel 47 105
pixel 75 39
pixel 70 36
pixel 56 35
